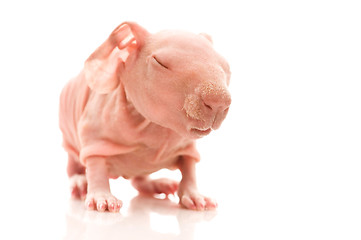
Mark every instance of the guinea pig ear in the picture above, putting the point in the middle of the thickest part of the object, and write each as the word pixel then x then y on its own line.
pixel 208 37
pixel 102 68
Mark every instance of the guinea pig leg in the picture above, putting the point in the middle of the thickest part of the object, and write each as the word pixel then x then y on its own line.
pixel 99 196
pixel 144 184
pixel 188 193
pixel 77 179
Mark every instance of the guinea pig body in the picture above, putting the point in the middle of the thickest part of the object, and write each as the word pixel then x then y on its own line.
pixel 108 125
pixel 138 106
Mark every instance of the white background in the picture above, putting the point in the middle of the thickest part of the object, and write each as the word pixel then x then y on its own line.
pixel 286 162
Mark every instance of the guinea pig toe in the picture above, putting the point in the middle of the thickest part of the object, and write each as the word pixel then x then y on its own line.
pixel 114 205
pixel 187 202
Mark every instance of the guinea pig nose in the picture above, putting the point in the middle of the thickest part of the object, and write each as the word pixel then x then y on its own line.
pixel 217 102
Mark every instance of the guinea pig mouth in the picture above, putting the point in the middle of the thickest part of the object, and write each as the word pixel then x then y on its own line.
pixel 200 132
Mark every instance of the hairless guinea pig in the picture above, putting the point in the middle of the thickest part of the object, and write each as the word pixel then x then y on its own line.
pixel 138 106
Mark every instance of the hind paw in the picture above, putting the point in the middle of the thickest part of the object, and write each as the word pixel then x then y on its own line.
pixel 78 186
pixel 155 186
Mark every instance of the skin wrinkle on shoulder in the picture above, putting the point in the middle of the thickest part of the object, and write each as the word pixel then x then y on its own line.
pixel 103 124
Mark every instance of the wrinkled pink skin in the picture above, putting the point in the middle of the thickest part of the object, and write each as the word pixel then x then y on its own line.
pixel 138 106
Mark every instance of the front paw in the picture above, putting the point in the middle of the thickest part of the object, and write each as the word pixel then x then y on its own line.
pixel 102 201
pixel 190 198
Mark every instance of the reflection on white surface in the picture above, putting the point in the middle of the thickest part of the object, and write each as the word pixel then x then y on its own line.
pixel 145 218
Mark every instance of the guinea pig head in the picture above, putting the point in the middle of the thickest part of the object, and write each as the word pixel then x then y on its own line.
pixel 173 78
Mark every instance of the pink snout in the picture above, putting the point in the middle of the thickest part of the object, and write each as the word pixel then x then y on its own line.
pixel 216 106
pixel 207 108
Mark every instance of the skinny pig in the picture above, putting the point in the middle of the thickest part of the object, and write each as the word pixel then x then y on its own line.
pixel 138 106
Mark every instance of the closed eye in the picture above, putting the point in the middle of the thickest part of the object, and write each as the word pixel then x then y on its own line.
pixel 160 62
